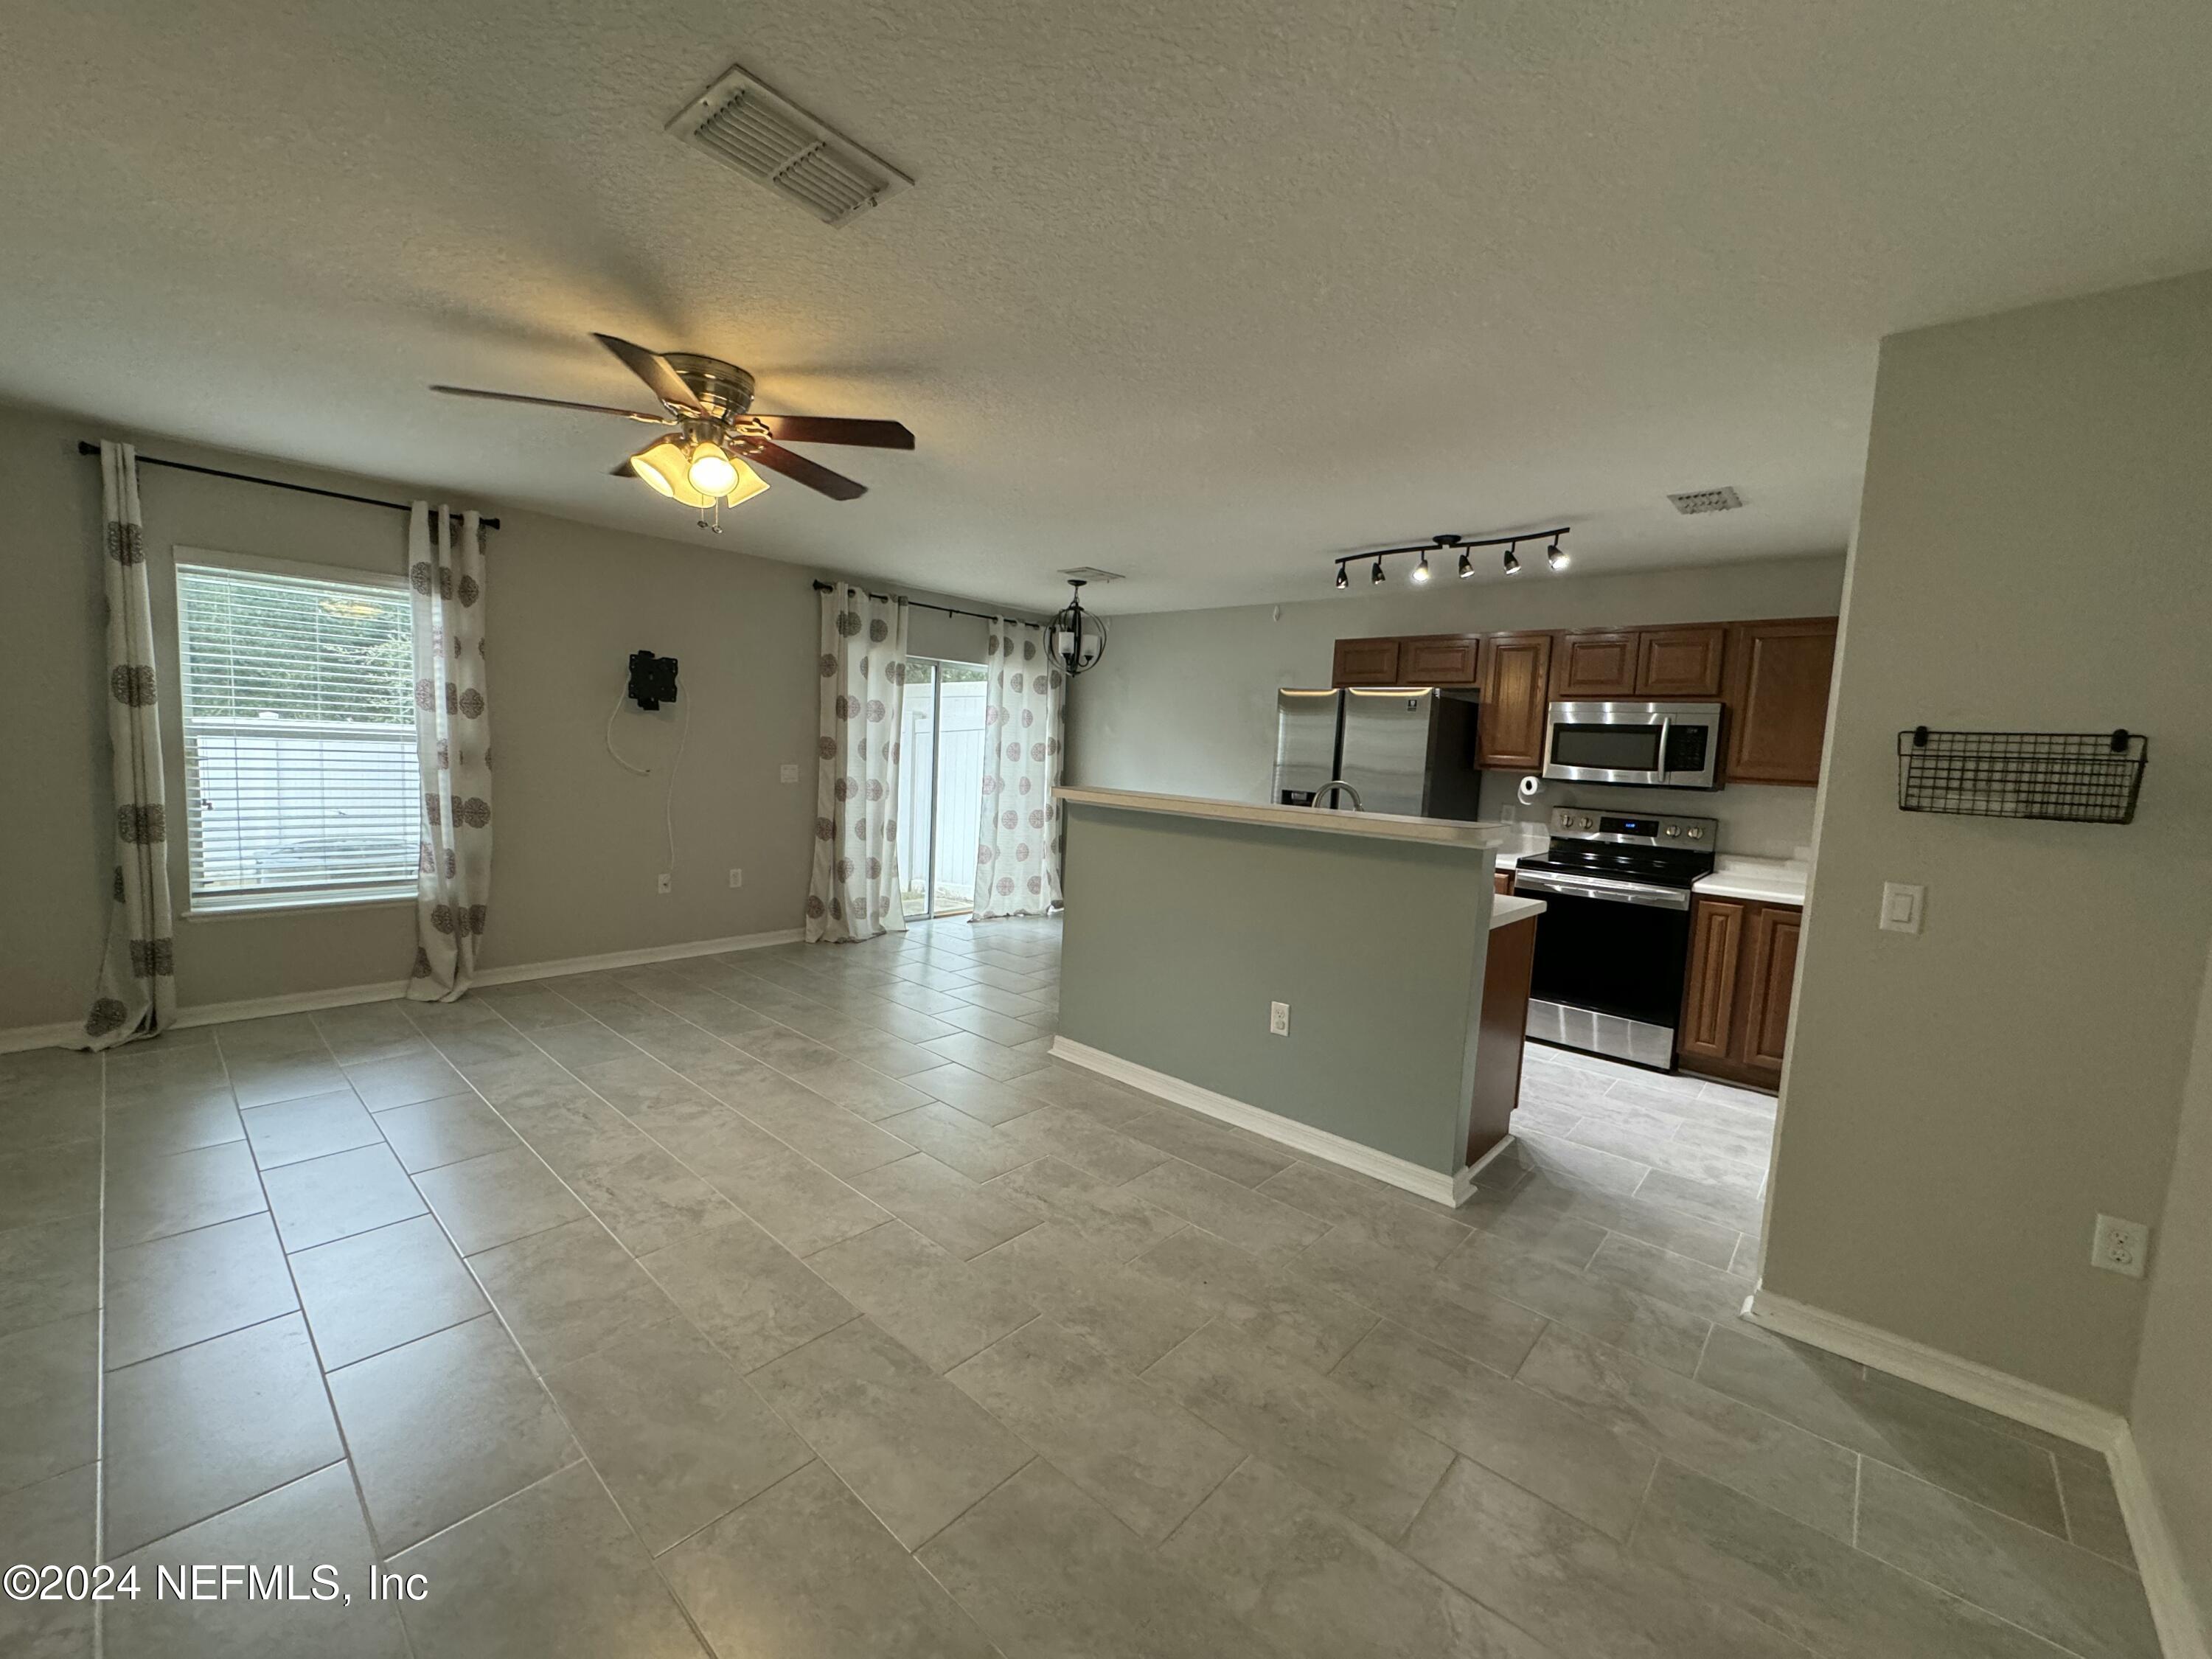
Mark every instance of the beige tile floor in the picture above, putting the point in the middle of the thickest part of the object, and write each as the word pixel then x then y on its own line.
pixel 796 1302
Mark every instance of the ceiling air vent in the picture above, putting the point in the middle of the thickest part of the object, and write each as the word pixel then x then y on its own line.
pixel 1091 573
pixel 744 124
pixel 1707 501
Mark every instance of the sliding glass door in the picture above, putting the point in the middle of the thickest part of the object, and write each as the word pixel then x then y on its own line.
pixel 940 786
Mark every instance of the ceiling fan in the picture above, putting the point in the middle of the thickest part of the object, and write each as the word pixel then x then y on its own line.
pixel 708 461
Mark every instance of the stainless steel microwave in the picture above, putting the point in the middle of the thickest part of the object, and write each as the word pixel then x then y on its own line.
pixel 1665 745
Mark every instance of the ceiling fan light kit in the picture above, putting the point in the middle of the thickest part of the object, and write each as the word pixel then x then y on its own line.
pixel 1555 555
pixel 710 460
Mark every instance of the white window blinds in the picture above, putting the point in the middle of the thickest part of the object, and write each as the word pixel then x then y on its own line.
pixel 300 777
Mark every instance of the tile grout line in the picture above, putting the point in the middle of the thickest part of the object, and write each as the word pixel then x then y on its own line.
pixel 99 1374
pixel 538 1372
pixel 300 1307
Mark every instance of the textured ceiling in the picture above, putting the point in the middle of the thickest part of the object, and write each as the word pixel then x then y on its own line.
pixel 1199 292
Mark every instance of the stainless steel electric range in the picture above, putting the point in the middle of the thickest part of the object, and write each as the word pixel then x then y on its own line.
pixel 1614 942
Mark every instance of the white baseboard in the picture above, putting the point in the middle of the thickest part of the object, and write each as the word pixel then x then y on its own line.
pixel 652 953
pixel 1431 1184
pixel 2182 1625
pixel 1969 1380
pixel 2172 1608
pixel 16 1038
pixel 62 1035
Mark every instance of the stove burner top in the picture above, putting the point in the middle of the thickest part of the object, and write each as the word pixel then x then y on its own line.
pixel 1658 867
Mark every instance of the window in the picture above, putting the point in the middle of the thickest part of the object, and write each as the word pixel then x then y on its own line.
pixel 301 779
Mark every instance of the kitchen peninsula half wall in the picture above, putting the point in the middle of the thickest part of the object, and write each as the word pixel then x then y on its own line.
pixel 1349 984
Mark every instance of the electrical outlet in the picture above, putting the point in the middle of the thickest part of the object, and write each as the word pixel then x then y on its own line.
pixel 661 882
pixel 788 772
pixel 1278 1019
pixel 737 877
pixel 1901 907
pixel 2120 1246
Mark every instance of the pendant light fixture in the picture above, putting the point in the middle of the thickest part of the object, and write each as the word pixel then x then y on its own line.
pixel 1555 556
pixel 1421 570
pixel 1344 581
pixel 1466 565
pixel 1076 638
pixel 1376 578
pixel 1512 560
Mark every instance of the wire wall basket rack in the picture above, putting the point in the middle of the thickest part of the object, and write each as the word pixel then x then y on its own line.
pixel 2075 777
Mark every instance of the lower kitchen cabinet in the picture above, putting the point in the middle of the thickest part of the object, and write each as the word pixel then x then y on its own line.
pixel 1735 1003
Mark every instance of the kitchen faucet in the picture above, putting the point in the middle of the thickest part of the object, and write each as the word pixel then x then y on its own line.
pixel 1322 794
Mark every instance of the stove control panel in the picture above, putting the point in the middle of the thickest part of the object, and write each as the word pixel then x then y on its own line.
pixel 1634 829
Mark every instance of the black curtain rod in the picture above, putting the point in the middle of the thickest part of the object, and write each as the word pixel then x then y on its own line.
pixel 949 609
pixel 1455 544
pixel 84 447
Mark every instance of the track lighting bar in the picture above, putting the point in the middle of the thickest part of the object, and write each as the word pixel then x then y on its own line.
pixel 1555 555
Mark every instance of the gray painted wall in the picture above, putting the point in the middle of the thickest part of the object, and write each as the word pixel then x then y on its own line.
pixel 2171 1413
pixel 1959 1106
pixel 579 840
pixel 1179 932
pixel 1183 703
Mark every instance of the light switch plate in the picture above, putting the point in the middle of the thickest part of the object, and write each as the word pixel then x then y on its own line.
pixel 1278 1019
pixel 737 877
pixel 1902 905
pixel 661 883
pixel 788 772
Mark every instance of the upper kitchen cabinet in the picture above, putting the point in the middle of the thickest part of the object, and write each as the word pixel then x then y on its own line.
pixel 1365 662
pixel 1516 673
pixel 1680 662
pixel 1595 665
pixel 1639 662
pixel 1438 659
pixel 1776 692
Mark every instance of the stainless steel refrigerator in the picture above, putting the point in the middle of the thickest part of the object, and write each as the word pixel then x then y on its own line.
pixel 1407 750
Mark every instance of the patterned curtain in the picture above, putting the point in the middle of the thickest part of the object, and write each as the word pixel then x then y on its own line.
pixel 453 742
pixel 1017 864
pixel 137 993
pixel 855 893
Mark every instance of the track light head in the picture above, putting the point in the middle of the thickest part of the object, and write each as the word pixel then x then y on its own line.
pixel 1376 578
pixel 1555 556
pixel 1421 571
pixel 1465 566
pixel 1512 561
pixel 1342 580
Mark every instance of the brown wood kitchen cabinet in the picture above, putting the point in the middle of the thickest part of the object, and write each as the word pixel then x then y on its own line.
pixel 1365 662
pixel 1735 1005
pixel 1776 693
pixel 1517 673
pixel 1681 662
pixel 1595 665
pixel 1640 662
pixel 1440 659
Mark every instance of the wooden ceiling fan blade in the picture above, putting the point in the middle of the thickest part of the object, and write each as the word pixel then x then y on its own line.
pixel 835 430
pixel 650 368
pixel 799 470
pixel 551 403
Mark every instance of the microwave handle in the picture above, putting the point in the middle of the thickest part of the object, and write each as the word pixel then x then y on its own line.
pixel 1666 725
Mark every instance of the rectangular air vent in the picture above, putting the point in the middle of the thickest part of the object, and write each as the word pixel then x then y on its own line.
pixel 1707 501
pixel 746 124
pixel 1091 573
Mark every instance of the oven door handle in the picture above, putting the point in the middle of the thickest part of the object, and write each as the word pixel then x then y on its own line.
pixel 1597 887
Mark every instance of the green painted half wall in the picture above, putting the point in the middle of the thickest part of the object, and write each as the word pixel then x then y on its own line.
pixel 1180 931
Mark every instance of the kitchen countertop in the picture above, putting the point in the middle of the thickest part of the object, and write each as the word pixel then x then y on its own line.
pixel 1766 881
pixel 1509 908
pixel 1380 826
